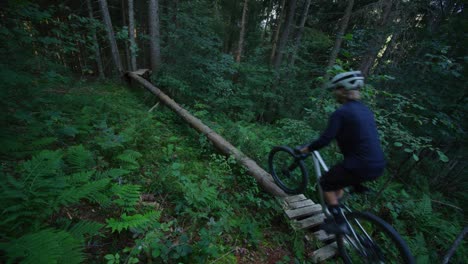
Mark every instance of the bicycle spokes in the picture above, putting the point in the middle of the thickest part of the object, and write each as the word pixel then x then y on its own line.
pixel 372 241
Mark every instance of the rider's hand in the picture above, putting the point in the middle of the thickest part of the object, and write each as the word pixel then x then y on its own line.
pixel 301 149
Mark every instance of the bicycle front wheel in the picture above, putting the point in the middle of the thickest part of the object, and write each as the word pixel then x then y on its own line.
pixel 373 241
pixel 288 170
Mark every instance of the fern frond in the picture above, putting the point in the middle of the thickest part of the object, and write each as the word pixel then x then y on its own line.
pixel 82 228
pixel 79 158
pixel 80 177
pixel 45 246
pixel 45 163
pixel 133 221
pixel 100 198
pixel 129 159
pixel 75 194
pixel 112 173
pixel 128 195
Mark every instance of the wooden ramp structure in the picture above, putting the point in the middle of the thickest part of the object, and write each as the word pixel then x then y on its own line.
pixel 303 213
pixel 306 215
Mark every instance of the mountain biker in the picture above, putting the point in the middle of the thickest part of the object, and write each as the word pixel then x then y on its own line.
pixel 353 126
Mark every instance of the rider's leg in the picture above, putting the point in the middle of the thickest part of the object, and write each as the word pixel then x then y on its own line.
pixel 332 197
pixel 332 184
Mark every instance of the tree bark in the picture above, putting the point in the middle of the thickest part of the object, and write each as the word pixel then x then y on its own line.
pixel 111 36
pixel 155 38
pixel 97 52
pixel 285 35
pixel 300 32
pixel 267 20
pixel 126 41
pixel 262 177
pixel 242 32
pixel 131 34
pixel 340 34
pixel 368 60
pixel 277 32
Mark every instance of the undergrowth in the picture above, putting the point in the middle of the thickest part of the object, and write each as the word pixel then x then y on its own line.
pixel 89 174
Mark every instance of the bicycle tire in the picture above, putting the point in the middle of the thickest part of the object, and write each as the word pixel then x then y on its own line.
pixel 385 245
pixel 280 161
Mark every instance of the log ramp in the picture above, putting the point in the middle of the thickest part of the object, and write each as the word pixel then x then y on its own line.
pixel 302 212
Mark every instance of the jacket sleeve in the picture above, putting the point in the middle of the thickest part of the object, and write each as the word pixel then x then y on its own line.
pixel 334 125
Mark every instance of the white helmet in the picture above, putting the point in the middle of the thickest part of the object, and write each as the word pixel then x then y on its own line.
pixel 349 80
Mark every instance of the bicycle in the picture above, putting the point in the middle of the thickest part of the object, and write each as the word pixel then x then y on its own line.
pixel 370 238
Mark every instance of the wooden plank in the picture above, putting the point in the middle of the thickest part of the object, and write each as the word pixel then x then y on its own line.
pixel 324 253
pixel 304 211
pixel 323 236
pixel 310 222
pixel 300 204
pixel 294 198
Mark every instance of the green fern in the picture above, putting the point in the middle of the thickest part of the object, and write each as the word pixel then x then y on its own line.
pixel 79 158
pixel 112 173
pixel 45 246
pixel 133 221
pixel 129 159
pixel 45 164
pixel 82 228
pixel 81 177
pixel 74 194
pixel 128 196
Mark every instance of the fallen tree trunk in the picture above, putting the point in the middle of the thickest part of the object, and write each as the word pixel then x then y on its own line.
pixel 263 178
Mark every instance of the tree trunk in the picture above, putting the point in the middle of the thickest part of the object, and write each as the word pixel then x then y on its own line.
pixel 110 35
pixel 340 34
pixel 304 16
pixel 97 52
pixel 368 60
pixel 131 34
pixel 242 32
pixel 285 35
pixel 262 177
pixel 155 38
pixel 267 20
pixel 126 41
pixel 388 53
pixel 278 29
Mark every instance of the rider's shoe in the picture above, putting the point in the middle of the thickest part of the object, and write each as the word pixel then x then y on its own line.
pixel 330 226
pixel 336 223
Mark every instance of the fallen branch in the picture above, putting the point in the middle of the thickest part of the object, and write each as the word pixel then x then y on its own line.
pixel 263 178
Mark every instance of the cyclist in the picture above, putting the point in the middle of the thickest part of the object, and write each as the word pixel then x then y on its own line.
pixel 353 126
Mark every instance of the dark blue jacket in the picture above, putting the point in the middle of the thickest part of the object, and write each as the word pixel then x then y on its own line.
pixel 353 126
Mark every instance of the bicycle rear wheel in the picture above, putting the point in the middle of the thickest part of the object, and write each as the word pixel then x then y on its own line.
pixel 373 241
pixel 288 170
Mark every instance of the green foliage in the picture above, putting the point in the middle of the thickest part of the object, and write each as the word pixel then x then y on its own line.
pixel 127 195
pixel 45 246
pixel 136 221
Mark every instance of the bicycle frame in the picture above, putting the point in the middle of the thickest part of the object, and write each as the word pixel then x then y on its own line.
pixel 319 164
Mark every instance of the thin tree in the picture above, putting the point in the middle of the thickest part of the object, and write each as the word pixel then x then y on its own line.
pixel 339 36
pixel 110 35
pixel 375 46
pixel 279 21
pixel 242 32
pixel 97 52
pixel 131 34
pixel 155 46
pixel 126 42
pixel 285 35
pixel 300 32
